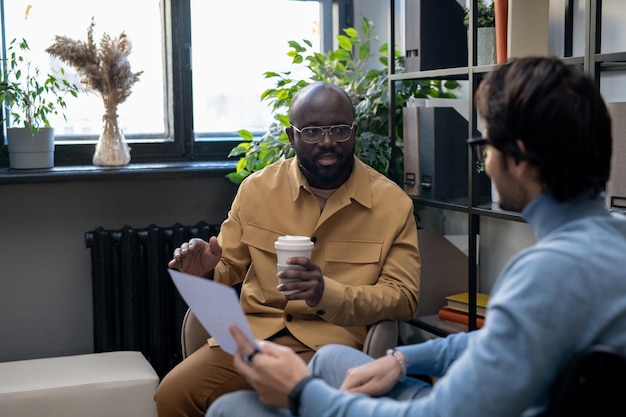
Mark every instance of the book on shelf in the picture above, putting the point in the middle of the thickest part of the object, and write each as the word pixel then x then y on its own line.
pixel 446 313
pixel 527 28
pixel 460 302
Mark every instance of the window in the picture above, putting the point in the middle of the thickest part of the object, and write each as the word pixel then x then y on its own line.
pixel 143 113
pixel 189 101
pixel 228 74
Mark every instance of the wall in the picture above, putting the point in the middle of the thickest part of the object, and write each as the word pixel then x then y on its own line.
pixel 45 283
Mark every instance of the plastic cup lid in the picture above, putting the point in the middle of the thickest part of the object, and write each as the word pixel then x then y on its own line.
pixel 287 242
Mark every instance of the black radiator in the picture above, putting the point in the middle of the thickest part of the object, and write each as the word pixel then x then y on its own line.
pixel 135 303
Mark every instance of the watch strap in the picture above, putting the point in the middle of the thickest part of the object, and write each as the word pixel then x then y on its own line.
pixel 296 393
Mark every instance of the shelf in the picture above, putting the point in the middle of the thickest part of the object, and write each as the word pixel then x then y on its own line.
pixel 433 324
pixel 483 69
pixel 454 206
pixel 492 210
pixel 475 205
pixel 460 73
pixel 575 61
pixel 611 59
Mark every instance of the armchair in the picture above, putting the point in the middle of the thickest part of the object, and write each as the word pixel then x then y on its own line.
pixel 593 384
pixel 380 337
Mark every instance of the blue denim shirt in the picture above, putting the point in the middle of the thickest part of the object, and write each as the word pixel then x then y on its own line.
pixel 551 301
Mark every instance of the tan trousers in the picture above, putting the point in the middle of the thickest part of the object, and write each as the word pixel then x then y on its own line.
pixel 189 388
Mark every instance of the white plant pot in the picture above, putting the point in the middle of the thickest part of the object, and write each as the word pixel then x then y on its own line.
pixel 28 150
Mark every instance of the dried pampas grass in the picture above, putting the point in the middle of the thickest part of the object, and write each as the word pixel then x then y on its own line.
pixel 104 69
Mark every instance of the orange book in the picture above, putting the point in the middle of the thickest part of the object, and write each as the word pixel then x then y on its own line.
pixel 446 313
pixel 501 16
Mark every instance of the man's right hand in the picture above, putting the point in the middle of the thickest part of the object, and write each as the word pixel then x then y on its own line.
pixel 273 371
pixel 197 257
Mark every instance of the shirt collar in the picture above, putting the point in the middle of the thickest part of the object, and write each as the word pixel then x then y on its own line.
pixel 356 188
pixel 545 213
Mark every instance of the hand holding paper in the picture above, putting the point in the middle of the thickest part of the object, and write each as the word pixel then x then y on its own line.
pixel 216 306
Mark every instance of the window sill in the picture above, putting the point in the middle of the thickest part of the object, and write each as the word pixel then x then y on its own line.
pixel 152 171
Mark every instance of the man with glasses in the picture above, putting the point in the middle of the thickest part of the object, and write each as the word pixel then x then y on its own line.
pixel 547 143
pixel 365 265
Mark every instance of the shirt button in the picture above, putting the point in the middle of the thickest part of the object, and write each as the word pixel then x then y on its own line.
pixel 320 312
pixel 289 317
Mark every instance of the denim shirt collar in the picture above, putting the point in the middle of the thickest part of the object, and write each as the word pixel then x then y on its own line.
pixel 545 213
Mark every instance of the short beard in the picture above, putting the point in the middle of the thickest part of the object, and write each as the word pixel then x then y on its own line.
pixel 311 169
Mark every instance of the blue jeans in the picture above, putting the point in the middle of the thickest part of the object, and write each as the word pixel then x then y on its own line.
pixel 330 363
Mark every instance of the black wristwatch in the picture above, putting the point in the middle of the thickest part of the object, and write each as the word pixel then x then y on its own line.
pixel 296 392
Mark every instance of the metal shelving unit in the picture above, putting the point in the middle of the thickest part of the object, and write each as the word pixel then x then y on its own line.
pixel 592 62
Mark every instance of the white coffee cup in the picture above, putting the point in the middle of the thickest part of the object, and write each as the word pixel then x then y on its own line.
pixel 288 280
pixel 292 246
pixel 289 247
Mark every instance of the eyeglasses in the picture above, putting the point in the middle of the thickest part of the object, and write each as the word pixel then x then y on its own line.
pixel 314 134
pixel 479 148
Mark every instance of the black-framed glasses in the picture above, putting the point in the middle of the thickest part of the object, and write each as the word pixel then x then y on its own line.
pixel 314 134
pixel 479 148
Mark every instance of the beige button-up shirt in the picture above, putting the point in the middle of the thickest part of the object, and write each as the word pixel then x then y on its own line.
pixel 365 244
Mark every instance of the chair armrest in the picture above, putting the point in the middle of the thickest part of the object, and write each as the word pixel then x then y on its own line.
pixel 381 336
pixel 192 334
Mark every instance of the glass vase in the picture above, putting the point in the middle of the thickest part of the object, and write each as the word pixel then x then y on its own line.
pixel 111 149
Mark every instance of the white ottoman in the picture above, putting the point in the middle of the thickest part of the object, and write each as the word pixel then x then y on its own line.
pixel 111 384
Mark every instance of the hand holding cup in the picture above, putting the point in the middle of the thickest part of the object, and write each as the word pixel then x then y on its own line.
pixel 290 247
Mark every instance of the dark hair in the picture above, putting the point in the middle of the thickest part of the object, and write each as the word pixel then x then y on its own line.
pixel 558 113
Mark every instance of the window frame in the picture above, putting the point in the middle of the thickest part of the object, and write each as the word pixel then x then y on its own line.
pixel 181 143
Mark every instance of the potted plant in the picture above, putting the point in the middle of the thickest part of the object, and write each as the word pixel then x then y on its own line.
pixel 104 69
pixel 347 66
pixel 29 98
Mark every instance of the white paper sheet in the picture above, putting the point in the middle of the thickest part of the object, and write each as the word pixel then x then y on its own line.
pixel 216 306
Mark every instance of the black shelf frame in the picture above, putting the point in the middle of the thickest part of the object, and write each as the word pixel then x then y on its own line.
pixel 420 324
pixel 429 202
pixel 592 62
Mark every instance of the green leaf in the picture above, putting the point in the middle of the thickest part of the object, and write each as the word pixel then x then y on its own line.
pixel 344 43
pixel 283 119
pixel 341 54
pixel 351 32
pixel 295 45
pixel 364 51
pixel 235 177
pixel 245 134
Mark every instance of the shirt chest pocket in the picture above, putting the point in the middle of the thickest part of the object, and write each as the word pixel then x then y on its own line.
pixel 353 262
pixel 257 238
pixel 353 252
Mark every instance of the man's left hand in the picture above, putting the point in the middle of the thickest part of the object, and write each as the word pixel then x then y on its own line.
pixel 310 284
